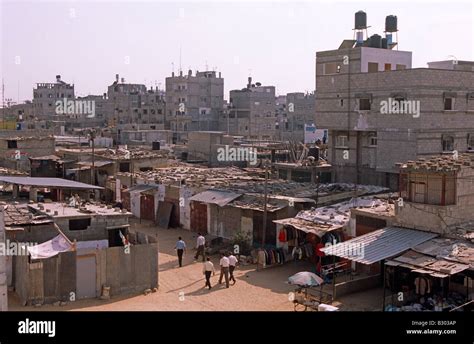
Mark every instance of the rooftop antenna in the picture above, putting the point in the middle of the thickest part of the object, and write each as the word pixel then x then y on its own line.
pixel 180 69
pixel 172 67
pixel 207 66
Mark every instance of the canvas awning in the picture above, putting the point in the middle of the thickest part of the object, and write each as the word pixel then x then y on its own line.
pixel 379 245
pixel 220 198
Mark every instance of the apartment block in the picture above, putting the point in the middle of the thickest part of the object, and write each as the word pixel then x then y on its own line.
pixel 300 111
pixel 252 112
pixel 194 102
pixel 380 111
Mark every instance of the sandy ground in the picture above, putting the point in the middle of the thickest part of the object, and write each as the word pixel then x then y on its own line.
pixel 182 289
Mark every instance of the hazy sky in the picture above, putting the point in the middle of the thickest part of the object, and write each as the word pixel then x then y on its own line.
pixel 88 42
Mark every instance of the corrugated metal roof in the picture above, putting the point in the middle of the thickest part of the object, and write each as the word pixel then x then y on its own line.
pixel 48 182
pixel 378 245
pixel 422 263
pixel 221 198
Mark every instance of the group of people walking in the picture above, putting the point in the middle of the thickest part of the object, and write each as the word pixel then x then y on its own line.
pixel 227 263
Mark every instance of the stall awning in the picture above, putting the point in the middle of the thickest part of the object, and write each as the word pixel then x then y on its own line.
pixel 379 245
pixel 308 226
pixel 220 198
pixel 424 264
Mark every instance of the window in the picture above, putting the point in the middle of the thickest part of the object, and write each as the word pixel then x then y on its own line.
pixel 160 112
pixel 341 102
pixel 341 141
pixel 470 101
pixel 401 67
pixel 364 104
pixel 372 139
pixel 448 143
pixel 373 67
pixel 124 167
pixel 470 141
pixel 387 67
pixel 448 103
pixel 79 224
pixel 12 144
pixel 203 112
pixel 331 68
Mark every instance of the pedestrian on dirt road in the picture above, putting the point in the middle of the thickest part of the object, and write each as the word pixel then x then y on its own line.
pixel 208 269
pixel 181 249
pixel 200 242
pixel 224 263
pixel 232 264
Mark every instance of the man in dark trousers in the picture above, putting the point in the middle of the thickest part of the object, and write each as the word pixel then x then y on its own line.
pixel 224 263
pixel 181 249
pixel 208 269
pixel 200 242
pixel 232 264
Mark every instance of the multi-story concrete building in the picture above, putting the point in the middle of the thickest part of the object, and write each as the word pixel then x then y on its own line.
pixel 380 111
pixel 300 109
pixel 134 104
pixel 252 112
pixel 45 96
pixel 194 102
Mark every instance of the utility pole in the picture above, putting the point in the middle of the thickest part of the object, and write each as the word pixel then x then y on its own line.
pixel 265 198
pixel 92 136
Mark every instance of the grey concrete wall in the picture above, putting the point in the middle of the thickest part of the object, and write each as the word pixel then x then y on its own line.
pixel 356 285
pixel 54 279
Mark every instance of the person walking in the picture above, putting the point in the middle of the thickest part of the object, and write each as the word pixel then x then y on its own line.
pixel 200 242
pixel 181 249
pixel 224 263
pixel 208 269
pixel 232 264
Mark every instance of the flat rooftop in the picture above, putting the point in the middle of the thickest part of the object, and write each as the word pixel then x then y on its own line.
pixel 62 210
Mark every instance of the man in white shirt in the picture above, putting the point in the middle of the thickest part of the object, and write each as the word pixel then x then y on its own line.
pixel 224 263
pixel 208 269
pixel 232 264
pixel 200 242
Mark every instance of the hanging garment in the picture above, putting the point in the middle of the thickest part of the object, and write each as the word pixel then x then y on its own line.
pixel 282 235
pixel 422 286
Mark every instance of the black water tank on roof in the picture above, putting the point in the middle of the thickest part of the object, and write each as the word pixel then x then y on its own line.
pixel 384 43
pixel 375 41
pixel 391 23
pixel 360 20
pixel 314 152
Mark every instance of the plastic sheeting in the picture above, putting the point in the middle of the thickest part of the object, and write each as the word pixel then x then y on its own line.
pixel 50 248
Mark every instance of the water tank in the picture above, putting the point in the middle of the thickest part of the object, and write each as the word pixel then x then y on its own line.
pixel 360 20
pixel 384 43
pixel 375 41
pixel 155 145
pixel 391 23
pixel 314 152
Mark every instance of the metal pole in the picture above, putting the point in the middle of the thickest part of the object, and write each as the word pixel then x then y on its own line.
pixel 265 206
pixel 383 301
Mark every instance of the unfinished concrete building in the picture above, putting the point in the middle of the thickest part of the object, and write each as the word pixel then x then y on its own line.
pixel 17 147
pixel 193 102
pixel 380 111
pixel 45 96
pixel 251 112
pixel 300 109
pixel 134 107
